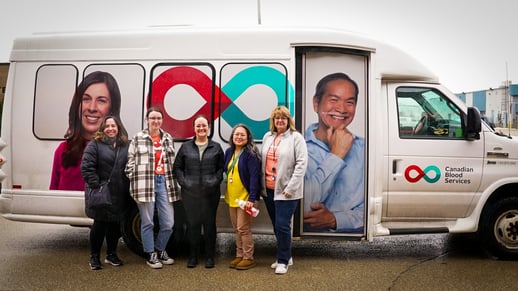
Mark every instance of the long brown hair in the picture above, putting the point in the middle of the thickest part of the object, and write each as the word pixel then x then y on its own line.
pixel 122 134
pixel 74 134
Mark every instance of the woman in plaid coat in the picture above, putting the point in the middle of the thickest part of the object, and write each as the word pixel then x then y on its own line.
pixel 153 184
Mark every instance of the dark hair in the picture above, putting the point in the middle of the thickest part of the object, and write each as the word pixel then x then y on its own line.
pixel 322 85
pixel 250 145
pixel 154 109
pixel 74 134
pixel 122 134
pixel 200 116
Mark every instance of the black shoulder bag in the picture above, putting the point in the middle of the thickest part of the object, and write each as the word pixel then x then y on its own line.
pixel 100 197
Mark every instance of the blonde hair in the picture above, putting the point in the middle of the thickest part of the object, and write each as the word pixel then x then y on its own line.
pixel 281 111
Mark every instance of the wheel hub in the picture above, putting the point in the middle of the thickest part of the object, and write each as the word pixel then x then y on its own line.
pixel 506 229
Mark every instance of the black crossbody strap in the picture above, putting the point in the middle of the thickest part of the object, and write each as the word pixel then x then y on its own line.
pixel 114 163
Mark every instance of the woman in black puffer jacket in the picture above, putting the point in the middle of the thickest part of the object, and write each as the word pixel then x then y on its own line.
pixel 108 150
pixel 199 168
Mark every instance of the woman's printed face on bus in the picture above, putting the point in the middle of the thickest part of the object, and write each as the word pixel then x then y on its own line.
pixel 111 129
pixel 95 105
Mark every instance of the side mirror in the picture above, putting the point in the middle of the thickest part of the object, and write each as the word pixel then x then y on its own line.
pixel 473 124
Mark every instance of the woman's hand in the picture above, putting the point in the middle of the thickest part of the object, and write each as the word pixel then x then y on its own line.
pixel 248 205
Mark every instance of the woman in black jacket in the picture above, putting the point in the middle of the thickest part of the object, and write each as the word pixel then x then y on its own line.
pixel 199 168
pixel 104 159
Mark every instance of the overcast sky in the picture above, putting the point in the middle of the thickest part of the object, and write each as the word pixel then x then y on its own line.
pixel 470 45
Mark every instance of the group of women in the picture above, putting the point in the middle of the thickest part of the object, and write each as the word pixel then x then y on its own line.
pixel 147 169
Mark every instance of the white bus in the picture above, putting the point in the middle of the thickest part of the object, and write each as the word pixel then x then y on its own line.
pixel 447 173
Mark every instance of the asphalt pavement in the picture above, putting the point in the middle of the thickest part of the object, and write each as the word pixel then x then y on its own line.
pixel 55 257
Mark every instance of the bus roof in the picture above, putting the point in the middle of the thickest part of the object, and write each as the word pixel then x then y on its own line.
pixel 181 43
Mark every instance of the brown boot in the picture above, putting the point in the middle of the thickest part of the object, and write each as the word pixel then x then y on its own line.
pixel 234 262
pixel 245 264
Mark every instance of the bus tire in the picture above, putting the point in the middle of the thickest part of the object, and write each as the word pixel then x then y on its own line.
pixel 178 244
pixel 499 228
pixel 130 231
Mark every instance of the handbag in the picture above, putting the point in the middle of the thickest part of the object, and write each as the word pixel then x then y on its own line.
pixel 101 197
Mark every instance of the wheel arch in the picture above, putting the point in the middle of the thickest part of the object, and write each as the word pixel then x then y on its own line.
pixel 500 193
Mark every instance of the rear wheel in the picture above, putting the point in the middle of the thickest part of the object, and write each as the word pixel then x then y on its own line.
pixel 130 231
pixel 499 228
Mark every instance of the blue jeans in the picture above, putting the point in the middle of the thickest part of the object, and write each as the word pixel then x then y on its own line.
pixel 280 212
pixel 165 218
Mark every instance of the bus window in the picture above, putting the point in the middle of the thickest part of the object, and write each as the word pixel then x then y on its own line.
pixel 54 84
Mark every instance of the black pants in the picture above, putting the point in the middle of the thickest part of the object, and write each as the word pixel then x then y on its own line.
pixel 201 212
pixel 100 230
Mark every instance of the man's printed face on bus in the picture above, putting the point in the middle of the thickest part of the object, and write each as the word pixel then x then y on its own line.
pixel 95 105
pixel 338 104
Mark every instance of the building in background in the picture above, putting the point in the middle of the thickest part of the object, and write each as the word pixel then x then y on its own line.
pixel 498 105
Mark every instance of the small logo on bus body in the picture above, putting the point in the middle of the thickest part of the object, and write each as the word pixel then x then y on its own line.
pixel 424 174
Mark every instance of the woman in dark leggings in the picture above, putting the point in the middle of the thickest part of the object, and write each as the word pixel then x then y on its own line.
pixel 104 159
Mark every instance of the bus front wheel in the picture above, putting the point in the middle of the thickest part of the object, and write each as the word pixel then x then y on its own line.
pixel 499 228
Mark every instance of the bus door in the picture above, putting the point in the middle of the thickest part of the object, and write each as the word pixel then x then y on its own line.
pixel 334 202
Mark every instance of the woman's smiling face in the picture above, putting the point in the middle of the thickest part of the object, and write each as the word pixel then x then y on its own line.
pixel 240 137
pixel 111 129
pixel 95 105
pixel 201 127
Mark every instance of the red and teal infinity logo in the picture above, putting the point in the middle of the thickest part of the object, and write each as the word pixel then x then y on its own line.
pixel 225 97
pixel 422 174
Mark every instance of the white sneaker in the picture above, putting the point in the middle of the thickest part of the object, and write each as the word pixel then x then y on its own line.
pixel 164 258
pixel 153 261
pixel 281 269
pixel 274 265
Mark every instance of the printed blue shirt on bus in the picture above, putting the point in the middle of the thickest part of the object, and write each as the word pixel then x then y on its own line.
pixel 336 183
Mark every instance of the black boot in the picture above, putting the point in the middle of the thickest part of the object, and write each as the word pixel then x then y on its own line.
pixel 193 262
pixel 209 263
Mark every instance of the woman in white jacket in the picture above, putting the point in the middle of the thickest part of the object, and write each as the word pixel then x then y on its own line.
pixel 284 162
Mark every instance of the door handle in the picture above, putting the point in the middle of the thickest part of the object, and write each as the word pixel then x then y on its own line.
pixel 394 166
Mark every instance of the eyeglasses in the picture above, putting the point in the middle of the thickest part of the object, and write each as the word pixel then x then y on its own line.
pixel 155 118
pixel 280 118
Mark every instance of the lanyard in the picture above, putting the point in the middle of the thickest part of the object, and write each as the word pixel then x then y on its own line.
pixel 160 160
pixel 273 147
pixel 234 161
